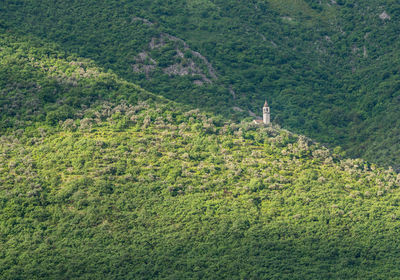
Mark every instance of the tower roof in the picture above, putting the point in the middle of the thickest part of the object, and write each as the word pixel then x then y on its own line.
pixel 266 103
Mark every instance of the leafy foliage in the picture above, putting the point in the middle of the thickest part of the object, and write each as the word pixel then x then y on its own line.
pixel 154 193
pixel 328 68
pixel 100 179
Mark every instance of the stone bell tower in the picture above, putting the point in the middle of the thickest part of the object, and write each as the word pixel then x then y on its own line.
pixel 266 113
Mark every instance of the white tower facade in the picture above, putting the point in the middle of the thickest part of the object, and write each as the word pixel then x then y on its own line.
pixel 266 113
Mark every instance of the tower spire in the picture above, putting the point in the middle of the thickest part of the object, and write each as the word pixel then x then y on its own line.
pixel 266 113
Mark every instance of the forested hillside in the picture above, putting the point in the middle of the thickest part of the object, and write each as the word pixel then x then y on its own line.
pixel 127 149
pixel 100 179
pixel 329 69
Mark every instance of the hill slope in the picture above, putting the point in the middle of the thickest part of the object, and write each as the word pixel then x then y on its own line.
pixel 134 186
pixel 328 68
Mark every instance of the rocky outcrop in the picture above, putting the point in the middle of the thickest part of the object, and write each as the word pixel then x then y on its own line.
pixel 183 62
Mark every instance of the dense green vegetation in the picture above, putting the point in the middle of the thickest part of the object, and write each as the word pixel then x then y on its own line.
pixel 328 68
pixel 154 193
pixel 100 179
pixel 42 84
